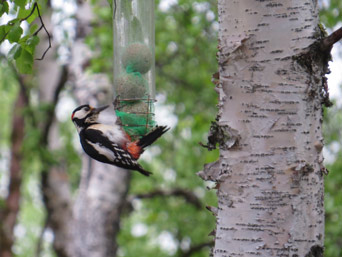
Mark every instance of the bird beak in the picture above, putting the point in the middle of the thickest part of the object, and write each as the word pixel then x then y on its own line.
pixel 100 109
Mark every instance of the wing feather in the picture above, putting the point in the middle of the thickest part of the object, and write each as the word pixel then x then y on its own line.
pixel 109 152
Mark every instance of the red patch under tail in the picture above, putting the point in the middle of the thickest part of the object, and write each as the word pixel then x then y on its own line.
pixel 134 150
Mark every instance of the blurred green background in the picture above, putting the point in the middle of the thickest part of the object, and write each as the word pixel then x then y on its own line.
pixel 186 46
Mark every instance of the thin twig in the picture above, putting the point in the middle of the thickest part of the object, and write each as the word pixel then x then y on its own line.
pixel 35 6
pixel 31 13
pixel 42 25
pixel 189 196
pixel 3 38
pixel 40 28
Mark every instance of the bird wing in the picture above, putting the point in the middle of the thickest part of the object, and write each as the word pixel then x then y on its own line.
pixel 112 153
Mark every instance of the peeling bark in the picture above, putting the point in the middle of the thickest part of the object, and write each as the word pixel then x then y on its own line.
pixel 270 178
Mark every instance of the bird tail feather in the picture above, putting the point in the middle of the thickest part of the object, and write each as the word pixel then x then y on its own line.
pixel 144 172
pixel 152 136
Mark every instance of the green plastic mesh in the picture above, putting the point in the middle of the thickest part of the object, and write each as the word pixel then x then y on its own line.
pixel 137 117
pixel 130 69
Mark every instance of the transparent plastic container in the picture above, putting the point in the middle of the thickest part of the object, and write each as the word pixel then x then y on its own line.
pixel 134 64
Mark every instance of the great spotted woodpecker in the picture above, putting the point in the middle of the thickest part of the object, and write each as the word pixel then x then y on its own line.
pixel 111 144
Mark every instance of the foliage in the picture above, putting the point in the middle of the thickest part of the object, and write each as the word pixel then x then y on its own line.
pixel 331 12
pixel 23 42
pixel 333 183
pixel 8 88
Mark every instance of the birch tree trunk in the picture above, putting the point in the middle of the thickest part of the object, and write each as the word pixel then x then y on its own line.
pixel 270 173
pixel 103 188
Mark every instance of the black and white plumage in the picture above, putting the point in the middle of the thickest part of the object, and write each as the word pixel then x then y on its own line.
pixel 111 144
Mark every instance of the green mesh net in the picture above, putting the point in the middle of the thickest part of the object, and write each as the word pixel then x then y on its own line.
pixel 130 69
pixel 137 117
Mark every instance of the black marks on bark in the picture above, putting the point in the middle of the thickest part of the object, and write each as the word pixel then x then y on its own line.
pixel 315 251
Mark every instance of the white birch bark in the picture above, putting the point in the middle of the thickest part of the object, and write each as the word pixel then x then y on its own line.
pixel 269 175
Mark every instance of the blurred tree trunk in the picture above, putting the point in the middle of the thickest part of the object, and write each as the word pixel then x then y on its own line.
pixel 87 225
pixel 103 188
pixel 10 210
pixel 57 197
pixel 269 127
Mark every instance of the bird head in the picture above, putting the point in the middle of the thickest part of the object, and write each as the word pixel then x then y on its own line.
pixel 86 115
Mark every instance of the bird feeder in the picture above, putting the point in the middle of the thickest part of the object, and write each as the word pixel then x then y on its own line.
pixel 134 71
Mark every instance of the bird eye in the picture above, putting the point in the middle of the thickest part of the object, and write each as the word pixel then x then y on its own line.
pixel 87 109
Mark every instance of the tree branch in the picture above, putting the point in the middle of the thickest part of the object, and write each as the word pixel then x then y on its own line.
pixel 188 196
pixel 328 42
pixel 42 26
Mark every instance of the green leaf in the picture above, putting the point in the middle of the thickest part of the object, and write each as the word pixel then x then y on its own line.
pixel 23 39
pixel 3 30
pixel 26 14
pixel 25 62
pixel 14 53
pixel 20 3
pixel 23 13
pixel 32 42
pixel 3 8
pixel 33 28
pixel 15 33
pixel 13 21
